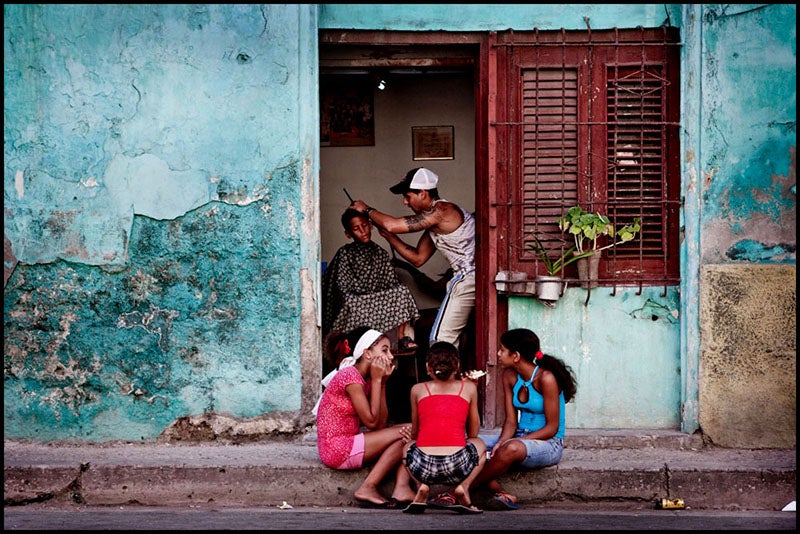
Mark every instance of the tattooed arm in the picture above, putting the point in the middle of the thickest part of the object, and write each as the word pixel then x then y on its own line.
pixel 400 225
pixel 416 256
pixel 389 226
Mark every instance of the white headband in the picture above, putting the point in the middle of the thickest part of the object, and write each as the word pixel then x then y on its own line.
pixel 364 342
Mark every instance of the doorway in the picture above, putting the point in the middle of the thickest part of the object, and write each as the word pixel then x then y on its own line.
pixel 404 83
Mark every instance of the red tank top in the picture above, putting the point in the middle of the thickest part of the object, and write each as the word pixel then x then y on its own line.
pixel 442 420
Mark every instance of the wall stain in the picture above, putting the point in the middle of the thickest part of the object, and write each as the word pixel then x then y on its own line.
pixel 157 321
pixel 654 311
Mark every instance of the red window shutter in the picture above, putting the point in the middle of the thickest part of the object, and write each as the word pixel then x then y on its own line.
pixel 549 154
pixel 593 121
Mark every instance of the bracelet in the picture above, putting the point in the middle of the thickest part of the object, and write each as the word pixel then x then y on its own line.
pixel 368 211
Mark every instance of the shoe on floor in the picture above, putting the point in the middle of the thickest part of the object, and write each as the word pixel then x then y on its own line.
pixel 415 508
pixel 501 501
pixel 461 509
pixel 445 500
pixel 406 344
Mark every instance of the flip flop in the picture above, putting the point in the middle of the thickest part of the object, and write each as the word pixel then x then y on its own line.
pixel 445 500
pixel 415 508
pixel 501 501
pixel 386 505
pixel 461 509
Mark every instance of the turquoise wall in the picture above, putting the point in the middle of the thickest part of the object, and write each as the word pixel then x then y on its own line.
pixel 490 17
pixel 621 347
pixel 161 219
pixel 748 133
pixel 158 167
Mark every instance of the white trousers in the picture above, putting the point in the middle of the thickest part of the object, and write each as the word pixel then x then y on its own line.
pixel 455 309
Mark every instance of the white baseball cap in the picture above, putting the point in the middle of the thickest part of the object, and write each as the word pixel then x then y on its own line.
pixel 419 178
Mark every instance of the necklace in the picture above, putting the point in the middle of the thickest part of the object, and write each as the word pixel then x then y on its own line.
pixel 430 208
pixel 527 383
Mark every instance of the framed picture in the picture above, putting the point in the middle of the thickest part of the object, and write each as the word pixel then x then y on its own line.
pixel 346 111
pixel 432 142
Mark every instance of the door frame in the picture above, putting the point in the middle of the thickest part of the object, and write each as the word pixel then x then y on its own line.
pixel 469 49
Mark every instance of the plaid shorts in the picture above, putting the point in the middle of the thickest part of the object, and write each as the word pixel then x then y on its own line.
pixel 450 469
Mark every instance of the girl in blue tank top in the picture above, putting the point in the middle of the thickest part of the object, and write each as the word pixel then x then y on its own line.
pixel 536 387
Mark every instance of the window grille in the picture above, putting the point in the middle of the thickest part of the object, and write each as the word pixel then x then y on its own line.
pixel 593 121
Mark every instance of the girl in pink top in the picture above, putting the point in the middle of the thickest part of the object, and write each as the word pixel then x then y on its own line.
pixel 355 396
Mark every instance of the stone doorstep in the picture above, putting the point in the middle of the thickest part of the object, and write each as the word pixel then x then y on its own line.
pixel 628 470
pixel 256 486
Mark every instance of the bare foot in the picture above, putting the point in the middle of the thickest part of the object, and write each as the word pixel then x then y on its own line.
pixel 404 495
pixel 369 493
pixel 462 495
pixel 422 494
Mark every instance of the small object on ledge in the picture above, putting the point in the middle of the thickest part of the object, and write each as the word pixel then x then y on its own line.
pixel 514 283
pixel 670 504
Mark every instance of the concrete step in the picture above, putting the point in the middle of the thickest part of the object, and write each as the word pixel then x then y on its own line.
pixel 625 469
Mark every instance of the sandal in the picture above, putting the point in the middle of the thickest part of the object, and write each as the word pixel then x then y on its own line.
pixel 465 509
pixel 501 501
pixel 385 505
pixel 444 500
pixel 406 344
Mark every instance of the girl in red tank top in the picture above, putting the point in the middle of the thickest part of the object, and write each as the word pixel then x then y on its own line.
pixel 445 448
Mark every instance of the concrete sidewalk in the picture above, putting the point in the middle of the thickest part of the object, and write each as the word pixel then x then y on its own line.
pixel 600 468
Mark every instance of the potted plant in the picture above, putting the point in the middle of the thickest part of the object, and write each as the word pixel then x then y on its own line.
pixel 551 286
pixel 587 228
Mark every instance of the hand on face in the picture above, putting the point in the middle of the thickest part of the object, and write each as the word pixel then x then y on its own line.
pixel 381 368
pixel 382 359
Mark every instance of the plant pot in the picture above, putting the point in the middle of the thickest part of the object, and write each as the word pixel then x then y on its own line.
pixel 588 270
pixel 549 288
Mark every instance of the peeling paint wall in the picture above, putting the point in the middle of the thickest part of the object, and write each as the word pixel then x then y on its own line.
pixel 495 17
pixel 747 216
pixel 749 137
pixel 623 348
pixel 156 238
pixel 161 219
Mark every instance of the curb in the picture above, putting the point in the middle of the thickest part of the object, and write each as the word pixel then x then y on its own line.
pixel 269 473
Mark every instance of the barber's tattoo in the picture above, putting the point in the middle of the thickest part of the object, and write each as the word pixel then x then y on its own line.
pixel 414 223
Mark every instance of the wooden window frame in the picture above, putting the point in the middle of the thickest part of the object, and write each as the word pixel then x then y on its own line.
pixel 618 113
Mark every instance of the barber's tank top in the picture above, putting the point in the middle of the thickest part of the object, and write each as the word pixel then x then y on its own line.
pixel 459 245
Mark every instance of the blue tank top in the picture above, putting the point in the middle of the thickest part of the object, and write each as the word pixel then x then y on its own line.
pixel 531 414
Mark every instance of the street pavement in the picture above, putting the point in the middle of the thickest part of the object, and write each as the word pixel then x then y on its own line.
pixel 355 519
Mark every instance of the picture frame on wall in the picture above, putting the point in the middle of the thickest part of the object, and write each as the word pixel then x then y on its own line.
pixel 432 142
pixel 347 115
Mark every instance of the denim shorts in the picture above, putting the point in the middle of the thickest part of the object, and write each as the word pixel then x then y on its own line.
pixel 541 453
pixel 448 469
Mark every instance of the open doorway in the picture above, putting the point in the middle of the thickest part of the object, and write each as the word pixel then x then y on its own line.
pixel 397 92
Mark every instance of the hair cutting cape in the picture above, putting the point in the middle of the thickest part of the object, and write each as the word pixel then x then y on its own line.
pixel 361 288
